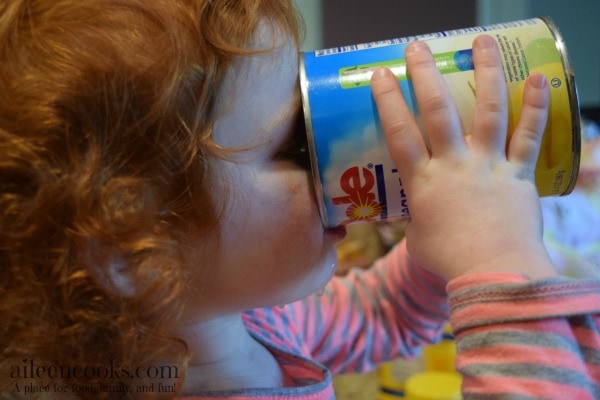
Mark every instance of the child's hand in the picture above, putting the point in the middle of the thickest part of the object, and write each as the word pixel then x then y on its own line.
pixel 473 204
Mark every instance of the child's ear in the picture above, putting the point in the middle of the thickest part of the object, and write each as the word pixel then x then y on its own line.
pixel 118 280
pixel 110 271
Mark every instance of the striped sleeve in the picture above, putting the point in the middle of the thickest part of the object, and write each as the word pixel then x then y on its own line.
pixel 522 339
pixel 369 316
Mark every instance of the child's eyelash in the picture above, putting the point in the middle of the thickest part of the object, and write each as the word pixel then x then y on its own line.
pixel 296 152
pixel 297 149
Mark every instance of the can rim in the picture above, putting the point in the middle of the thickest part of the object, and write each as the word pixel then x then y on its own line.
pixel 314 159
pixel 573 101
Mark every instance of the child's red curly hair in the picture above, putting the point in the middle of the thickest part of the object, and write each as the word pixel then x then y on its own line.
pixel 105 170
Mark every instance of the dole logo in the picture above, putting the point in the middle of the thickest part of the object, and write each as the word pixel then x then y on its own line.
pixel 359 186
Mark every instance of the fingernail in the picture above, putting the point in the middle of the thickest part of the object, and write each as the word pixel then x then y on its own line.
pixel 538 81
pixel 416 46
pixel 381 73
pixel 484 42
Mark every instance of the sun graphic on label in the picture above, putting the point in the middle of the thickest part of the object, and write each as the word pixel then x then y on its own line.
pixel 363 211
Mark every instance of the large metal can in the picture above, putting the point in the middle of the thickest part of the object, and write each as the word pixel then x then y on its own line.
pixel 354 176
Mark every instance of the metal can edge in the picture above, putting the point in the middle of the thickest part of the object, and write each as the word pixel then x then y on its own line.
pixel 314 162
pixel 573 101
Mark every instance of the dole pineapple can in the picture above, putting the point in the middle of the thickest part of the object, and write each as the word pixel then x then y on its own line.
pixel 355 179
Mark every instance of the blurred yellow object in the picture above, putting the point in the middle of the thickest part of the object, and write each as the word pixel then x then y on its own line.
pixel 361 247
pixel 392 376
pixel 437 363
pixel 433 385
pixel 441 356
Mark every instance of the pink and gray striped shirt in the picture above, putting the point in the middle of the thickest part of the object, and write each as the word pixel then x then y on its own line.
pixel 547 347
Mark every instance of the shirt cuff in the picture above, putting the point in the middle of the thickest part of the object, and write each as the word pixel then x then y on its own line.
pixel 496 298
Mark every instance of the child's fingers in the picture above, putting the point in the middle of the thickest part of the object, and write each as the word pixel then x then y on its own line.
pixel 525 143
pixel 490 120
pixel 403 137
pixel 441 123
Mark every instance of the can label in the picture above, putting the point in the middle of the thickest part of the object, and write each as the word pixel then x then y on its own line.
pixel 354 176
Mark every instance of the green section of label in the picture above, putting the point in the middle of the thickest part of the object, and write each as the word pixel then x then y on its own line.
pixel 360 75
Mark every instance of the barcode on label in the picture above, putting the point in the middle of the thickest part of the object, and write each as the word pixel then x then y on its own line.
pixel 428 36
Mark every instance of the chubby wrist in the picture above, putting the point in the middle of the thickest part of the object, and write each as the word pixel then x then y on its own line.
pixel 529 263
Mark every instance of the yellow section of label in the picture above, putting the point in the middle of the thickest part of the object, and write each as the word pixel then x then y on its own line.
pixel 556 161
